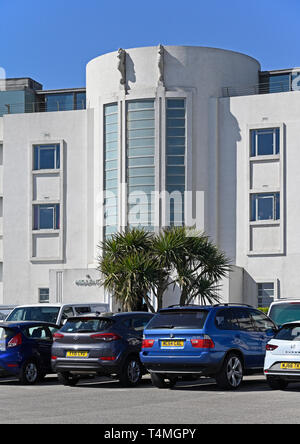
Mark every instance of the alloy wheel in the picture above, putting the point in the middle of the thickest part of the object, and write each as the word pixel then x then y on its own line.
pixel 234 371
pixel 31 372
pixel 133 371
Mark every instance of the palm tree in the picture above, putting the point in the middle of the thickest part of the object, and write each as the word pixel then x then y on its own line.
pixel 129 269
pixel 199 266
pixel 136 263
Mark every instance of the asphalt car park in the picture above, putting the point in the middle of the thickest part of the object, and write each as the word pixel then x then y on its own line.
pixel 103 401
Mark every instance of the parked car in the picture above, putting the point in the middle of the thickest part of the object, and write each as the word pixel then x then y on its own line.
pixel 53 313
pixel 5 310
pixel 100 345
pixel 284 310
pixel 282 361
pixel 25 350
pixel 221 341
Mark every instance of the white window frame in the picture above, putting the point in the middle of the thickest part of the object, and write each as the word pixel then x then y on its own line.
pixel 46 147
pixel 271 130
pixel 264 196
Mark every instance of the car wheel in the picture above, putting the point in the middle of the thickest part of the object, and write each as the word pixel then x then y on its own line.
pixel 277 383
pixel 68 379
pixel 160 381
pixel 131 373
pixel 231 375
pixel 30 373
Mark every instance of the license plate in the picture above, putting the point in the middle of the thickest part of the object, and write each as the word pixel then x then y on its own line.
pixel 290 366
pixel 172 343
pixel 77 354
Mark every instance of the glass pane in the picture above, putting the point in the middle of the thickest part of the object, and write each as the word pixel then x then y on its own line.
pixel 59 102
pixel 265 208
pixel 47 159
pixel 265 143
pixel 279 83
pixel 147 180
pixel 46 218
pixel 138 115
pixel 176 103
pixel 140 161
pixel 136 124
pixel 175 160
pixel 140 172
pixel 81 100
pixel 140 104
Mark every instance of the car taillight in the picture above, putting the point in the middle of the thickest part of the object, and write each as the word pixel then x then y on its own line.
pixel 147 343
pixel 270 347
pixel 15 341
pixel 206 342
pixel 106 337
pixel 57 336
pixel 108 358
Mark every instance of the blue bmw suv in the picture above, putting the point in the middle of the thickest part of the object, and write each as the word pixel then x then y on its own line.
pixel 224 341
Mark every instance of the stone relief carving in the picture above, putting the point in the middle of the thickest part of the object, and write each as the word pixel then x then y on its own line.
pixel 122 65
pixel 160 63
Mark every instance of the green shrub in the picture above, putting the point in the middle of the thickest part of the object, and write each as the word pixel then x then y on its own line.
pixel 264 309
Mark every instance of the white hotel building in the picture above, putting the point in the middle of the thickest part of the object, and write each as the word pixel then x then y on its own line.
pixel 204 122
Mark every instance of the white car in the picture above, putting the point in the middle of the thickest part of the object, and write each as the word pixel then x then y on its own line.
pixel 54 313
pixel 282 360
pixel 283 311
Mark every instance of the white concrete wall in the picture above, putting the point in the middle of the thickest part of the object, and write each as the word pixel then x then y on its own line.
pixel 23 276
pixel 276 257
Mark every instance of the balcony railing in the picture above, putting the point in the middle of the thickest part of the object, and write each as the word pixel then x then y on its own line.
pixel 39 107
pixel 261 88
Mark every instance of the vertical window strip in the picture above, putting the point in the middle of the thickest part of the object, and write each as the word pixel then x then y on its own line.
pixel 111 179
pixel 140 142
pixel 176 158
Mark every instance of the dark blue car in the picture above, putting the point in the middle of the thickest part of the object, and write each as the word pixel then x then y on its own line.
pixel 222 341
pixel 25 350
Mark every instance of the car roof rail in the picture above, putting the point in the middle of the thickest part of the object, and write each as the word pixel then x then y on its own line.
pixel 179 305
pixel 226 304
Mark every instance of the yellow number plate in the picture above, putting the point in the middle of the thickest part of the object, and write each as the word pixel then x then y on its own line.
pixel 172 343
pixel 290 366
pixel 79 354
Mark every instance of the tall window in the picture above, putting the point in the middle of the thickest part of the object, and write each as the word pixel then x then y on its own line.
pixel 265 206
pixel 46 157
pixel 46 217
pixel 111 182
pixel 265 294
pixel 43 295
pixel 265 142
pixel 140 162
pixel 175 158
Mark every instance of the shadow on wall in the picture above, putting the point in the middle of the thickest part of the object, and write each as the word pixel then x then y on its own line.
pixel 229 136
pixel 130 71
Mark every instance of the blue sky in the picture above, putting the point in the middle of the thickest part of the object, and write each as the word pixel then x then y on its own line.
pixel 52 40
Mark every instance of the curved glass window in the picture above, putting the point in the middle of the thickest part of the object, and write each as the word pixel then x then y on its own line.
pixel 140 162
pixel 175 159
pixel 111 137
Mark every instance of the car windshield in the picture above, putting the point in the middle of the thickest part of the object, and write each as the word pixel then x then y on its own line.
pixel 43 314
pixel 289 333
pixel 4 314
pixel 86 325
pixel 189 319
pixel 285 312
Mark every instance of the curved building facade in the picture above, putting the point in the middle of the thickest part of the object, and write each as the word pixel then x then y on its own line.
pixel 164 135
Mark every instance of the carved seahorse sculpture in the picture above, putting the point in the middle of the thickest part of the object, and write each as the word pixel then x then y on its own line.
pixel 160 63
pixel 122 65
